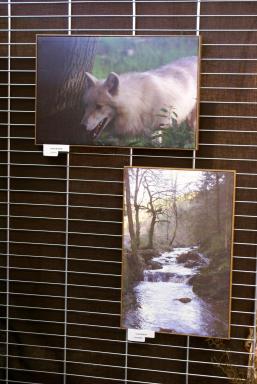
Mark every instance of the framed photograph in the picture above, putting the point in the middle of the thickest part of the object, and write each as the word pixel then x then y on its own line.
pixel 177 250
pixel 122 91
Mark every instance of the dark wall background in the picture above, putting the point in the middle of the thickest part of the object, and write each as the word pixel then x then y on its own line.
pixel 61 217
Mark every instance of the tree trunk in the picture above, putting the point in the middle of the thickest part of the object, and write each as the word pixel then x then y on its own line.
pixel 137 208
pixel 151 233
pixel 175 210
pixel 218 206
pixel 62 64
pixel 130 215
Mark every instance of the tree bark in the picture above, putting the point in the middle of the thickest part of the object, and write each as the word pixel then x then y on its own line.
pixel 218 206
pixel 137 209
pixel 61 82
pixel 130 215
pixel 150 244
pixel 175 210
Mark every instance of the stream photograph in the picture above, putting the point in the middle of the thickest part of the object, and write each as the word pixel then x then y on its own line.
pixel 177 250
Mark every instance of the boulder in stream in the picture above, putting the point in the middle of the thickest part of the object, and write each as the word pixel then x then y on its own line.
pixel 184 300
pixel 191 259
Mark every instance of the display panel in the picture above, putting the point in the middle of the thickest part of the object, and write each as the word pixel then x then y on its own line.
pixel 177 250
pixel 123 91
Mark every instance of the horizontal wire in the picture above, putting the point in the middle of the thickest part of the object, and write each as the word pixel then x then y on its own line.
pixel 120 1
pixel 88 273
pixel 208 59
pixel 61 192
pixel 103 300
pixel 130 354
pixel 94 286
pixel 91 194
pixel 209 349
pixel 121 366
pixel 68 361
pixel 141 15
pixel 200 102
pixel 21 382
pixel 148 343
pixel 62 284
pixel 96 312
pixel 205 44
pixel 70 232
pixel 129 30
pixel 121 341
pixel 71 206
pixel 90 246
pixel 73 219
pixel 71 179
pixel 34 98
pixel 62 310
pixel 61 322
pixel 97 260
pixel 84 233
pixel 129 368
pixel 71 298
pixel 72 259
pixel 70 271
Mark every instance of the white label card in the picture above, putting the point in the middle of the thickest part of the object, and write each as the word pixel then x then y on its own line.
pixel 54 149
pixel 139 334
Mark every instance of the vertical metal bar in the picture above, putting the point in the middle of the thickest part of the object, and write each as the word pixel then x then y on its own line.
pixel 66 236
pixel 66 268
pixel 69 16
pixel 8 190
pixel 254 344
pixel 126 359
pixel 134 15
pixel 130 156
pixel 187 359
pixel 197 31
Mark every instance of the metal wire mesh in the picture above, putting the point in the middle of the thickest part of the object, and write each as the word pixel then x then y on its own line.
pixel 61 218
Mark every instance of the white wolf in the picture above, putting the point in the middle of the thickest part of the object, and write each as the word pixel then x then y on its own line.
pixel 131 103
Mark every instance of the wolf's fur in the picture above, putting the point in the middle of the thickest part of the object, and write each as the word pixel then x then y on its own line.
pixel 131 102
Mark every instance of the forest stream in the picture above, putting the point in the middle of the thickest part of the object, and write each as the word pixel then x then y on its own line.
pixel 167 303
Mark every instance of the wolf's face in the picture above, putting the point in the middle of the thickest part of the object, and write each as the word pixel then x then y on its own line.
pixel 99 103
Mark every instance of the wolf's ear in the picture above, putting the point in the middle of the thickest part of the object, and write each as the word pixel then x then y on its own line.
pixel 112 83
pixel 90 79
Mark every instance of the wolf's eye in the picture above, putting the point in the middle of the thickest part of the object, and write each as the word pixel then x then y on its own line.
pixel 98 106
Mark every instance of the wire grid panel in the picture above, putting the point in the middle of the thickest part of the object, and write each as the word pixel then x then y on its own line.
pixel 61 218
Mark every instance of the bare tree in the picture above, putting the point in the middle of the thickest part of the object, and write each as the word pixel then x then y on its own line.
pixel 158 191
pixel 130 214
pixel 174 211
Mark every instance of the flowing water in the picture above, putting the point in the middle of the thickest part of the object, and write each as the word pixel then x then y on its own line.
pixel 158 296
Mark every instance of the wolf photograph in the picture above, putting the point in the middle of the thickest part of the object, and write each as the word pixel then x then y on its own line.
pixel 177 250
pixel 124 91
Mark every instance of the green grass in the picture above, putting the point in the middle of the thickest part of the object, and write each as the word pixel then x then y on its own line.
pixel 126 54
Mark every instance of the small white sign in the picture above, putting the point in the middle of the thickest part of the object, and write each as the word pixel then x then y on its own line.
pixel 139 334
pixel 54 149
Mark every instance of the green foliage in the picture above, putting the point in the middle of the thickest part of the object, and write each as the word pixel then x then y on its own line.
pixel 169 135
pixel 126 54
pixel 172 134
